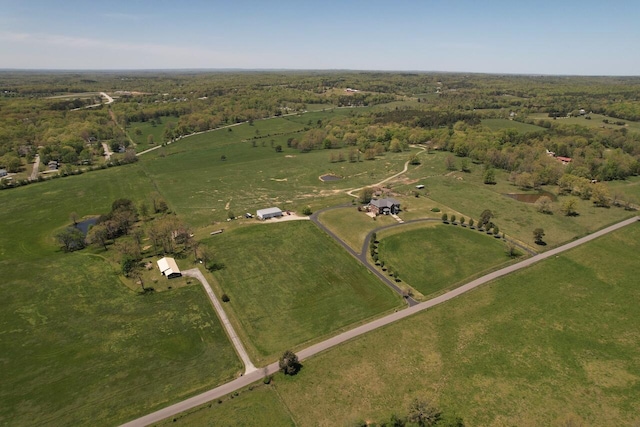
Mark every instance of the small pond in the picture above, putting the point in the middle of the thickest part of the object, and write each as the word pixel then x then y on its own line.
pixel 531 197
pixel 86 224
pixel 329 177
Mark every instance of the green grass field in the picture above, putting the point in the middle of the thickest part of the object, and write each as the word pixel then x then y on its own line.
pixel 628 190
pixel 435 256
pixel 554 343
pixel 146 129
pixel 198 184
pixel 259 405
pixel 595 122
pixel 290 284
pixel 76 344
pixel 499 124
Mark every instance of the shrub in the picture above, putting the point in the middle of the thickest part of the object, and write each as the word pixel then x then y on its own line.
pixel 225 298
pixel 445 217
pixel 306 211
pixel 435 209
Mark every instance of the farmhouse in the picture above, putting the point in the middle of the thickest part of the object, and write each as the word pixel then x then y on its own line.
pixel 169 268
pixel 268 213
pixel 384 206
pixel 3 172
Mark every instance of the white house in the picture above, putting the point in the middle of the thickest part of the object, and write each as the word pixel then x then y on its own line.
pixel 268 213
pixel 169 268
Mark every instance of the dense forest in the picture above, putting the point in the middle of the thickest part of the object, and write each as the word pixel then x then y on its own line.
pixel 63 118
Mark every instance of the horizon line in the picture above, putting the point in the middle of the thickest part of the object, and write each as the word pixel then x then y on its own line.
pixel 316 70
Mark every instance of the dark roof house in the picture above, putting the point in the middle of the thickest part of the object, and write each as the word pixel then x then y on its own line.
pixel 384 206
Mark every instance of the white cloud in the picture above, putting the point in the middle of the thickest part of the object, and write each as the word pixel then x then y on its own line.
pixel 76 52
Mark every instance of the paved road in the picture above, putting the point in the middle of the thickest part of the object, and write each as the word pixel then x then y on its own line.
pixel 346 336
pixel 362 257
pixel 36 166
pixel 248 366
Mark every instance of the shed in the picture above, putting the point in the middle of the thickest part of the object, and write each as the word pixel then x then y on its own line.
pixel 169 268
pixel 268 213
pixel 3 172
pixel 420 186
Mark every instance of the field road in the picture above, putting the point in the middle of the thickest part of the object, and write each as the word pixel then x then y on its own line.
pixel 245 380
pixel 406 167
pixel 107 151
pixel 248 366
pixel 36 166
pixel 107 97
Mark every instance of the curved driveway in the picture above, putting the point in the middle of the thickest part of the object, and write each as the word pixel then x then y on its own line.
pixel 246 380
pixel 362 256
pixel 235 340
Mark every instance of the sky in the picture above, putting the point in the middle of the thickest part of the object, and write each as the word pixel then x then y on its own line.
pixel 533 37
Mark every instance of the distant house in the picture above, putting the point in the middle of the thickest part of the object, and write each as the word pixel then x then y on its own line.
pixel 53 165
pixel 3 172
pixel 169 268
pixel 420 186
pixel 268 213
pixel 384 206
pixel 564 160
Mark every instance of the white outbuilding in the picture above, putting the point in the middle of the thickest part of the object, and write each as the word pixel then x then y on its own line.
pixel 268 213
pixel 169 268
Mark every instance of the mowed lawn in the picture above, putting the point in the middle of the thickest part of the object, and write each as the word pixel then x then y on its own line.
pixel 290 283
pixel 434 257
pixel 352 226
pixel 78 347
pixel 558 342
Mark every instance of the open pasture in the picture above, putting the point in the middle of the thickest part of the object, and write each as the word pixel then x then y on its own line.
pixel 467 194
pixel 500 124
pixel 206 176
pixel 595 122
pixel 77 345
pixel 259 405
pixel 148 128
pixel 291 284
pixel 553 344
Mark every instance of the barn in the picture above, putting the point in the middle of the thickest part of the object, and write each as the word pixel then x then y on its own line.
pixel 268 213
pixel 169 268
